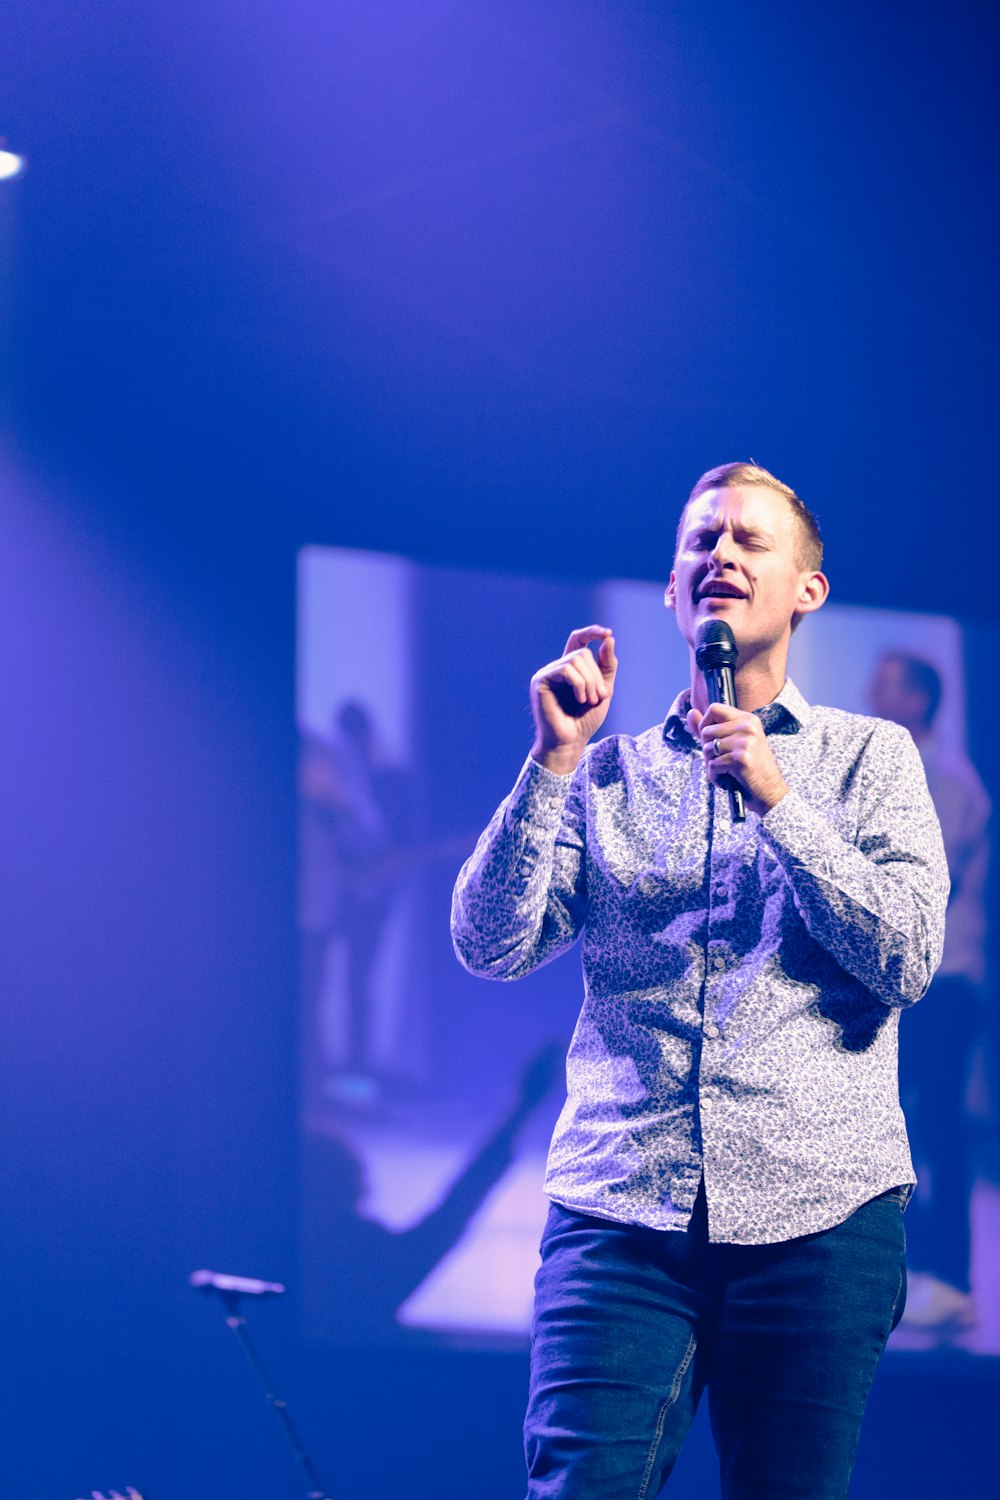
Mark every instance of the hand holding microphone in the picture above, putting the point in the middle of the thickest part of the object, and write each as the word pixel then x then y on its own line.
pixel 738 757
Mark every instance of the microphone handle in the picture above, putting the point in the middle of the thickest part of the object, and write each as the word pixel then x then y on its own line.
pixel 722 689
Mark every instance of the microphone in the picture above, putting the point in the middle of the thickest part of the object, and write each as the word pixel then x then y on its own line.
pixel 233 1286
pixel 716 657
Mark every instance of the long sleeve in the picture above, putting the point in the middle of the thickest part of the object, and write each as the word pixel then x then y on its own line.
pixel 877 906
pixel 520 898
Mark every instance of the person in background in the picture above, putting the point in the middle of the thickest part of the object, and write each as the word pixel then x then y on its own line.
pixel 356 815
pixel 937 1041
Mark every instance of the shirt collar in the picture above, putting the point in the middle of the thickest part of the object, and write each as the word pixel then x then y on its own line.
pixel 786 714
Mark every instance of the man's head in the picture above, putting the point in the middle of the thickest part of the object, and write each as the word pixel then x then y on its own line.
pixel 749 552
pixel 355 723
pixel 728 476
pixel 906 689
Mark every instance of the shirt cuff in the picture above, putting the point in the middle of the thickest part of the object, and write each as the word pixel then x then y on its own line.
pixel 797 830
pixel 543 783
pixel 537 797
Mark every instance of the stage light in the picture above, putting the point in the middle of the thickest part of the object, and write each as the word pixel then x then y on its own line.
pixel 11 165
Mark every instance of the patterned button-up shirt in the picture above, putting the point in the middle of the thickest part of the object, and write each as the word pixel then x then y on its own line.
pixel 742 982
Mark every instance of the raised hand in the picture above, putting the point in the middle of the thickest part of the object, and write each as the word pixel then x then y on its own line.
pixel 570 698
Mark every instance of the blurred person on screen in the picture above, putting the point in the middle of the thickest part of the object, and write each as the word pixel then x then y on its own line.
pixel 937 1041
pixel 729 1172
pixel 356 814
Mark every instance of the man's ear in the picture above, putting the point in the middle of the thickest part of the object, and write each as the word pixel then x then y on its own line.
pixel 813 591
pixel 670 592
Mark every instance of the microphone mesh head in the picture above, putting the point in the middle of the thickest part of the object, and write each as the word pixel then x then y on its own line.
pixel 715 646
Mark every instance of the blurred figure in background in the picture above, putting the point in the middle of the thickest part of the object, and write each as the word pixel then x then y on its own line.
pixel 356 817
pixel 938 1038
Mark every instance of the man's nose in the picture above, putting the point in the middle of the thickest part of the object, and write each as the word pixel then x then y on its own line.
pixel 722 552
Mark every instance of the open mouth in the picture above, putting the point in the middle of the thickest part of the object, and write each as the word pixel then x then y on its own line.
pixel 719 591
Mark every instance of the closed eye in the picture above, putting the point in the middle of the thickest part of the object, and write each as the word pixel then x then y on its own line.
pixel 752 541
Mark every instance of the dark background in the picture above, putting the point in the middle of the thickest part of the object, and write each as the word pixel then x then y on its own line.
pixel 485 284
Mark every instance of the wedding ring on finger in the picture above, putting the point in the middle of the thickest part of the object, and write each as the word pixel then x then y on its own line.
pixel 717 749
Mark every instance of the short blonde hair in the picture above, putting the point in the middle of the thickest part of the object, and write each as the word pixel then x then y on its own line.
pixel 726 476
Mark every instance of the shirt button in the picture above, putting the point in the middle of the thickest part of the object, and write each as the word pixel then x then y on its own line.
pixel 711 1031
pixel 705 1104
pixel 718 963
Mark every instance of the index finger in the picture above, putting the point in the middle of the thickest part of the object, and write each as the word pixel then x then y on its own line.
pixel 721 713
pixel 585 635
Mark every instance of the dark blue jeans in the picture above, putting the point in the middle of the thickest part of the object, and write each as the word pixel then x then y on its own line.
pixel 632 1324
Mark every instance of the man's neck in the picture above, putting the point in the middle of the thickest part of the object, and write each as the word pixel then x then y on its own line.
pixel 757 684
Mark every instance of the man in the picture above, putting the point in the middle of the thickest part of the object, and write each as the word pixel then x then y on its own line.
pixel 937 1044
pixel 728 1173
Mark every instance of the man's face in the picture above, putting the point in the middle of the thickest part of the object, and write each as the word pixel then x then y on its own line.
pixel 738 560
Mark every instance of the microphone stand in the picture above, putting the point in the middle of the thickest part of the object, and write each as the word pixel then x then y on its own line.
pixel 230 1289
